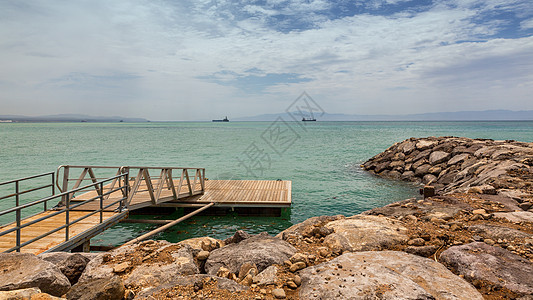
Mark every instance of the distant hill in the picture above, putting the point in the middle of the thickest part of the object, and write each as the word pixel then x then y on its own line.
pixel 70 118
pixel 486 115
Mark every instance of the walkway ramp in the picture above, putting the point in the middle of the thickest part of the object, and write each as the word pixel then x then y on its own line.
pixel 94 198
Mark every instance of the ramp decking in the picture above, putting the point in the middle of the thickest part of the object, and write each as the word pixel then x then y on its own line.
pixel 84 212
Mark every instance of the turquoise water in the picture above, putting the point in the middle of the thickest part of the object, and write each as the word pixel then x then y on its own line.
pixel 321 159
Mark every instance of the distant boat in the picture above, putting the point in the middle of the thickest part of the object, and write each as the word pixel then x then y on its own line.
pixel 223 120
pixel 304 119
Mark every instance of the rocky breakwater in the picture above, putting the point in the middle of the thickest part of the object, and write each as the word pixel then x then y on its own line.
pixel 472 240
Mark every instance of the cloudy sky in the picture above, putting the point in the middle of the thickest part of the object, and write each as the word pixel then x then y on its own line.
pixel 198 60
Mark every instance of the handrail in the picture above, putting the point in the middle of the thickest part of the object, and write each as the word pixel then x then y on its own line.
pixel 194 184
pixel 67 208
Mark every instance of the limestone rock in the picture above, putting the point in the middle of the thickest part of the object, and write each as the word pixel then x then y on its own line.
pixel 516 216
pixel 268 276
pixel 278 293
pixel 498 232
pixel 364 233
pixel 425 144
pixel 21 294
pixel 179 261
pixel 237 237
pixel 383 275
pixel 203 243
pixel 458 159
pixel 438 157
pixel 191 280
pixel 262 250
pixel 98 289
pixel 202 255
pixel 22 270
pixel 306 228
pixel 71 265
pixel 493 264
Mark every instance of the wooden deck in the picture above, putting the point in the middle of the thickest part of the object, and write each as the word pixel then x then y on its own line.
pixel 87 227
pixel 144 191
pixel 243 193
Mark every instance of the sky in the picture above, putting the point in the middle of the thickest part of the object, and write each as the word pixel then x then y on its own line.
pixel 201 60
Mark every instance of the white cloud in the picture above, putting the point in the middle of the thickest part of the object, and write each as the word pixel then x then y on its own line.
pixel 362 64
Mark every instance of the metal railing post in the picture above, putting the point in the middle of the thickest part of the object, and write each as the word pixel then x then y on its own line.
pixel 101 202
pixel 18 213
pixel 67 223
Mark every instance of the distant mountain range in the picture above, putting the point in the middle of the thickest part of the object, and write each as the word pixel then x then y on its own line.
pixel 70 118
pixel 486 115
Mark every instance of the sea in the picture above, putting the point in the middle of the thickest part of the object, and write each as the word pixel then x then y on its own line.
pixel 322 159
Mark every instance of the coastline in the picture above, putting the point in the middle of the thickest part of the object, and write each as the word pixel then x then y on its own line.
pixel 481 213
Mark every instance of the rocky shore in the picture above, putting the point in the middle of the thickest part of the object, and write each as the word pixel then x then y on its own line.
pixel 472 239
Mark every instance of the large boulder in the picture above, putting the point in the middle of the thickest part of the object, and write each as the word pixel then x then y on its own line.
pixel 479 261
pixel 23 270
pixel 98 289
pixel 262 250
pixel 383 275
pixel 365 233
pixel 71 265
pixel 145 264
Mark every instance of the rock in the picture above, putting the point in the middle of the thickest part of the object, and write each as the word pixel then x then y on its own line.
pixel 22 270
pixel 21 294
pixel 458 159
pixel 425 251
pixel 479 261
pixel 121 267
pixel 425 144
pixel 479 211
pixel 223 272
pixel 438 157
pixel 422 170
pixel 268 276
pixel 407 147
pixel 297 280
pixel 174 260
pixel 202 255
pixel 435 170
pixel 191 280
pixel 306 228
pixel 525 205
pixel 203 243
pixel 71 265
pixel 278 293
pixel 247 280
pixel 323 251
pixel 98 289
pixel 262 250
pixel 297 266
pixel 383 275
pixel 429 179
pixel 237 237
pixel 498 232
pixel 299 257
pixel 292 285
pixel 416 242
pixel 364 233
pixel 516 216
pixel 246 269
pixel 489 242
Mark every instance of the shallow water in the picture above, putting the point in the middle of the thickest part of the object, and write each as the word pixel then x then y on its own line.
pixel 320 158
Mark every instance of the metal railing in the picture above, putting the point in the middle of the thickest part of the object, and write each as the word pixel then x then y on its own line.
pixel 66 206
pixel 194 184
pixel 18 192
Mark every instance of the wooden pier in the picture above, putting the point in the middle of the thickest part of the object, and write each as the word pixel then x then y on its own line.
pixel 82 211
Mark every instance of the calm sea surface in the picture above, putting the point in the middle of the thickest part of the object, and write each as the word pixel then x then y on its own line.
pixel 321 158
